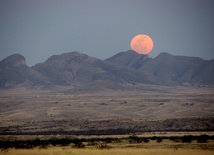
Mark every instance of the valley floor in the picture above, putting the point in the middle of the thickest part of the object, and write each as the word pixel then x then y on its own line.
pixel 129 108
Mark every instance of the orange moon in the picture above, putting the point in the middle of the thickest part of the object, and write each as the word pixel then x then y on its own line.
pixel 142 44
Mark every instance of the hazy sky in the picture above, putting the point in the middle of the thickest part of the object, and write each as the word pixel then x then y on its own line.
pixel 38 29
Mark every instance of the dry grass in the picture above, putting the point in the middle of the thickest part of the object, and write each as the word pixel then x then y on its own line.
pixel 125 151
pixel 123 148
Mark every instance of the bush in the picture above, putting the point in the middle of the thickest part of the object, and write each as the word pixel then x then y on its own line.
pixel 159 140
pixel 187 139
pixel 43 146
pixel 102 145
pixel 79 145
pixel 175 139
pixel 5 144
pixel 145 140
pixel 23 145
pixel 134 139
pixel 202 139
pixel 64 141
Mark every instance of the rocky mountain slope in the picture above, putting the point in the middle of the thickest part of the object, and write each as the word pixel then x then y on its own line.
pixel 124 67
pixel 76 93
pixel 13 71
pixel 129 58
pixel 74 67
pixel 167 69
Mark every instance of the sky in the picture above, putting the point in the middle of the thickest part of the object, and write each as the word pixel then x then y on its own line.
pixel 38 29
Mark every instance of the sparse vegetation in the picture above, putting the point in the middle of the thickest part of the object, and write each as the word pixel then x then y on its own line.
pixel 27 111
pixel 203 138
pixel 159 139
pixel 187 139
pixel 66 113
pixel 103 143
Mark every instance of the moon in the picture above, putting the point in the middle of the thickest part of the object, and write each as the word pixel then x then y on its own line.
pixel 142 44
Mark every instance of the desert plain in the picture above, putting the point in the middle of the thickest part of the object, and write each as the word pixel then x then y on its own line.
pixel 104 109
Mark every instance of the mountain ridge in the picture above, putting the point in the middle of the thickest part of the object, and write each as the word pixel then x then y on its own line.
pixel 129 58
pixel 14 71
pixel 167 69
pixel 76 67
pixel 123 67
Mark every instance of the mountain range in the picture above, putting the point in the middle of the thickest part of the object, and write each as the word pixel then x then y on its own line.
pixel 125 67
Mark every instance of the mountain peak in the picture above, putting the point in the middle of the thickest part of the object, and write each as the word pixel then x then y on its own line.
pixel 164 54
pixel 68 57
pixel 13 71
pixel 129 58
pixel 124 67
pixel 15 60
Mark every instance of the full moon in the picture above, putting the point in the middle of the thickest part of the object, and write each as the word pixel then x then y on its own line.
pixel 142 44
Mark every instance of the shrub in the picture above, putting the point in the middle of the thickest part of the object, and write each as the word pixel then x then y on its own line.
pixel 102 145
pixel 5 145
pixel 175 139
pixel 202 139
pixel 23 145
pixel 145 140
pixel 187 139
pixel 134 139
pixel 79 145
pixel 159 140
pixel 64 141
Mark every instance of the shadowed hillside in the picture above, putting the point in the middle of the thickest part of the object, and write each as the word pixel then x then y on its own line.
pixel 180 70
pixel 125 67
pixel 167 69
pixel 129 58
pixel 74 67
pixel 13 71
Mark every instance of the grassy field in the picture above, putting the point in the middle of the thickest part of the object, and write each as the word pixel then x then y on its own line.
pixel 124 151
pixel 132 145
